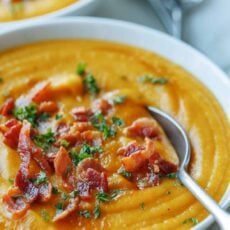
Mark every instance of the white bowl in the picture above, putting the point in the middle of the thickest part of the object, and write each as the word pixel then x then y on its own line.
pixel 82 7
pixel 139 36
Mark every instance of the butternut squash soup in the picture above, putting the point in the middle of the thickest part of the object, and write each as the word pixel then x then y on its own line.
pixel 11 10
pixel 80 151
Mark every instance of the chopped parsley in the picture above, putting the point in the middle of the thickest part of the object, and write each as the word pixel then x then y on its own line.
pixel 118 121
pixel 41 178
pixel 65 196
pixel 153 80
pixel 44 116
pixel 124 173
pixel 142 205
pixel 172 175
pixel 28 113
pixel 85 213
pixel 59 208
pixel 11 181
pixel 55 190
pixel 81 68
pixel 105 197
pixel 64 143
pixel 97 210
pixel 45 215
pixel 1 80
pixel 58 116
pixel 86 151
pixel 98 121
pixel 91 85
pixel 45 140
pixel 192 220
pixel 119 100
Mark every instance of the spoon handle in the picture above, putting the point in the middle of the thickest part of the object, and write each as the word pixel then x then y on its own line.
pixel 222 217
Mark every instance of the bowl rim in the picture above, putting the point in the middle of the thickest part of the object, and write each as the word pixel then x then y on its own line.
pixel 73 7
pixel 213 69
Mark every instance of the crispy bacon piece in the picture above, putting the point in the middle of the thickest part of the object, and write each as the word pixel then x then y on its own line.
pixel 28 189
pixel 143 127
pixel 62 129
pixel 48 107
pixel 45 192
pixel 165 167
pixel 11 130
pixel 129 149
pixel 41 92
pixel 15 202
pixel 102 105
pixel 27 149
pixel 62 162
pixel 92 137
pixel 7 107
pixel 135 161
pixel 81 127
pixel 90 175
pixel 81 114
pixel 70 208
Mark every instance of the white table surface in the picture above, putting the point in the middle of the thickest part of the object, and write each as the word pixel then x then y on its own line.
pixel 206 27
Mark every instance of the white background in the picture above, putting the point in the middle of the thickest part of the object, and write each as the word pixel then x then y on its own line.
pixel 206 27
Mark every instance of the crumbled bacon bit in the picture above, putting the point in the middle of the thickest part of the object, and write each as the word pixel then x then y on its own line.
pixel 48 107
pixel 11 130
pixel 80 127
pixel 62 162
pixel 143 127
pixel 102 105
pixel 15 202
pixel 81 114
pixel 41 92
pixel 7 107
pixel 129 149
pixel 135 161
pixel 27 149
pixel 92 137
pixel 90 175
pixel 70 208
pixel 45 192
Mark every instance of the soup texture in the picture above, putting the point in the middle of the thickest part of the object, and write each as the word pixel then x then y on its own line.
pixel 11 10
pixel 78 149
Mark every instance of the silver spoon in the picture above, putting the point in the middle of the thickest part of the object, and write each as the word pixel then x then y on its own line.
pixel 180 142
pixel 171 13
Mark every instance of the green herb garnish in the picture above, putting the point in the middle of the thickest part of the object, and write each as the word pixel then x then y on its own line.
pixel 97 210
pixel 91 85
pixel 55 190
pixel 192 220
pixel 41 178
pixel 142 205
pixel 1 80
pixel 81 68
pixel 11 181
pixel 85 213
pixel 45 215
pixel 28 113
pixel 119 100
pixel 86 151
pixel 44 116
pixel 118 121
pixel 58 116
pixel 59 208
pixel 153 80
pixel 172 175
pixel 99 122
pixel 45 140
pixel 64 143
pixel 124 173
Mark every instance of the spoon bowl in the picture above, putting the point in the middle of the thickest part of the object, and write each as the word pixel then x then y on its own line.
pixel 180 142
